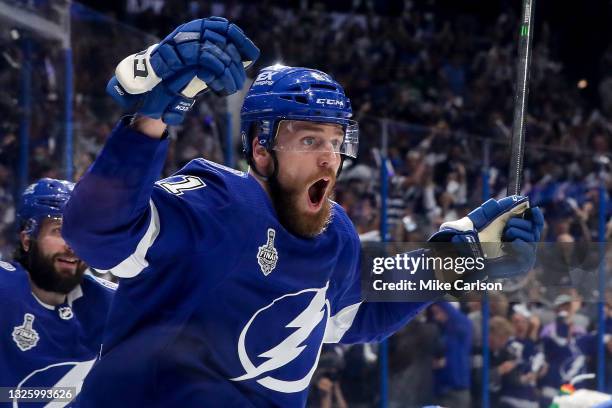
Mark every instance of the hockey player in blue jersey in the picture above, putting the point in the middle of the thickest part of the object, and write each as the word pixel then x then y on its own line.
pixel 51 314
pixel 230 281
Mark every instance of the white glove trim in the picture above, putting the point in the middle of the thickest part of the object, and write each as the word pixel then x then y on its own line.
pixel 137 84
pixel 194 87
pixel 492 233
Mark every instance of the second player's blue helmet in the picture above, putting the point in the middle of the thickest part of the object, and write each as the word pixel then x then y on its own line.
pixel 293 93
pixel 45 198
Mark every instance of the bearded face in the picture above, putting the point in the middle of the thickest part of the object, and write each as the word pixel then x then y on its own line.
pixel 307 162
pixel 50 262
pixel 305 208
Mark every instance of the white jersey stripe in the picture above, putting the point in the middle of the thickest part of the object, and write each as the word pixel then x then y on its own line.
pixel 339 323
pixel 136 262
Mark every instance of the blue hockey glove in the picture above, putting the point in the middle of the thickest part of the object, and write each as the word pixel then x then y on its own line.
pixel 496 232
pixel 164 80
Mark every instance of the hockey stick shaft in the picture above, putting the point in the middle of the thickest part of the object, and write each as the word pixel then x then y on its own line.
pixel 517 142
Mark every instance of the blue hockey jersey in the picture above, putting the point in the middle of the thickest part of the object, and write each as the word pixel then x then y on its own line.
pixel 511 387
pixel 49 346
pixel 219 305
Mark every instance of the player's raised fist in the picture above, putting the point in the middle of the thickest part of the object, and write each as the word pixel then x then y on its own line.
pixel 164 80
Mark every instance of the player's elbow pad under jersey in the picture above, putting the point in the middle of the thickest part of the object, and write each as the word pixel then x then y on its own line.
pixel 110 209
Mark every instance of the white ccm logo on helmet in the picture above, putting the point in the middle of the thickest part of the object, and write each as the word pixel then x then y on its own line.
pixel 291 347
pixel 330 102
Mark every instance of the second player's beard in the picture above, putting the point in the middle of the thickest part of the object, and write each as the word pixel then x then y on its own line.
pixel 286 204
pixel 44 275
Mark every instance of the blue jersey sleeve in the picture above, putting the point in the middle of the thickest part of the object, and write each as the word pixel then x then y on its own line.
pixel 356 321
pixel 109 211
pixel 120 219
pixel 457 324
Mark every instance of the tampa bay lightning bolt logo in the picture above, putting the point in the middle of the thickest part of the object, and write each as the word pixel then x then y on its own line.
pixel 273 361
pixel 572 366
pixel 66 374
pixel 7 266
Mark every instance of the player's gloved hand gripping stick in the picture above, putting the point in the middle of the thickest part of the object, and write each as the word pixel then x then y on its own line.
pixel 496 232
pixel 164 80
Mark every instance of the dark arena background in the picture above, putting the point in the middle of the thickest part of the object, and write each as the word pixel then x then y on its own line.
pixel 432 85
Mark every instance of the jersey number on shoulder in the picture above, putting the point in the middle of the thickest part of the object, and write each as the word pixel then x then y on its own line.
pixel 177 185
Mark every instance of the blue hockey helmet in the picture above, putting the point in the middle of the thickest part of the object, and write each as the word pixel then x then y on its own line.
pixel 46 198
pixel 293 93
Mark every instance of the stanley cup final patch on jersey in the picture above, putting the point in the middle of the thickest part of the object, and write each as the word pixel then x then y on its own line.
pixel 267 256
pixel 25 336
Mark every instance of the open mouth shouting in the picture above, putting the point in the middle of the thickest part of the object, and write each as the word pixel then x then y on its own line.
pixel 317 193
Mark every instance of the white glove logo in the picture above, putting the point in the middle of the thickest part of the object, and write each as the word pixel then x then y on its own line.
pixel 140 67
pixel 135 73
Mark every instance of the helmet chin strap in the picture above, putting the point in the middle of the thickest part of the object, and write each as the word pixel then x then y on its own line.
pixel 253 167
pixel 341 165
pixel 268 148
